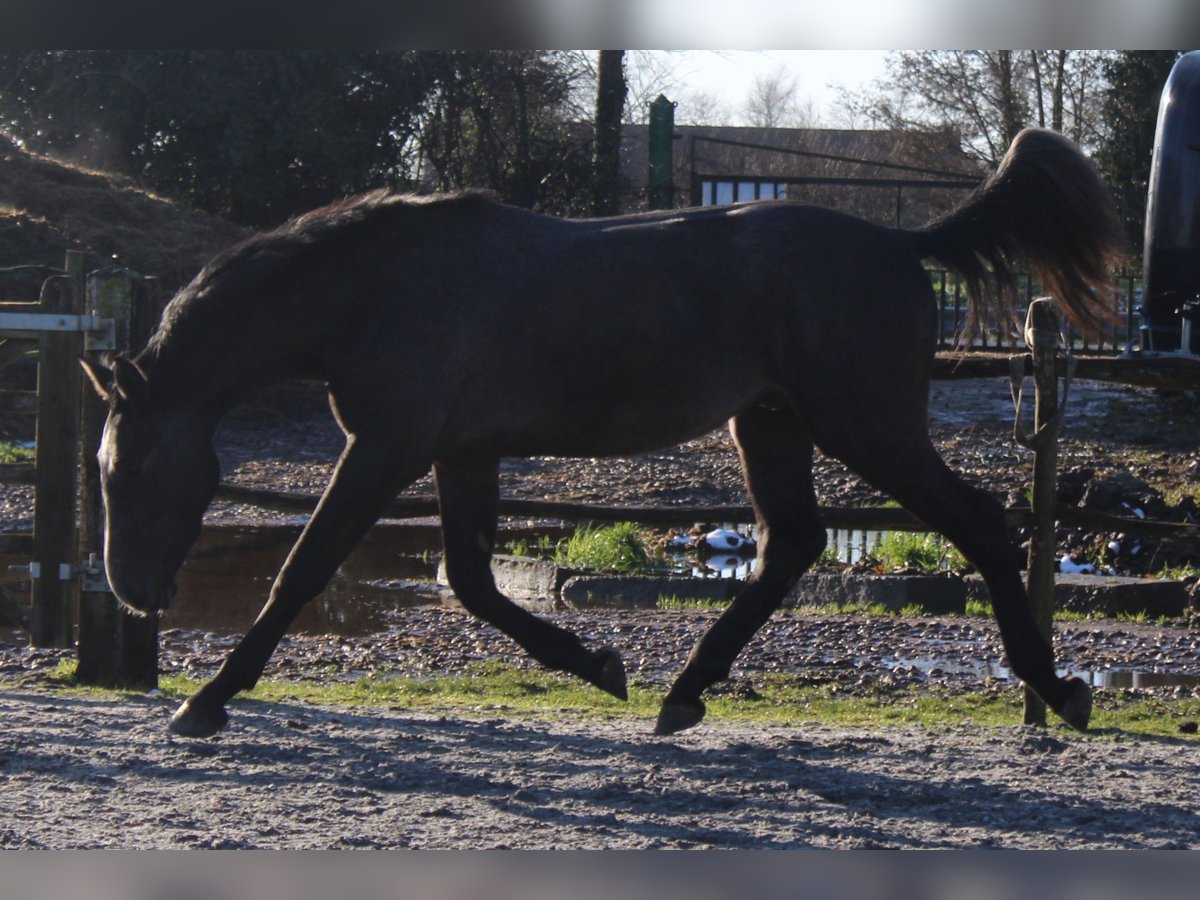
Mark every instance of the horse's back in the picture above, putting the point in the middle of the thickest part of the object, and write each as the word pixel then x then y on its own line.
pixel 612 335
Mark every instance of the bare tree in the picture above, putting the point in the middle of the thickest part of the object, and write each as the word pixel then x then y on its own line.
pixel 649 73
pixel 773 102
pixel 702 108
pixel 987 95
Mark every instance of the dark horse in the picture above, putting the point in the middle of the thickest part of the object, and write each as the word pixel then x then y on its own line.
pixel 453 331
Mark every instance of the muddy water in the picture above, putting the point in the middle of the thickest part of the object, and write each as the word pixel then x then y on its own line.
pixel 229 573
pixel 933 665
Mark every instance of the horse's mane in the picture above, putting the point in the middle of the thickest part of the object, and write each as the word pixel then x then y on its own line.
pixel 262 257
pixel 335 219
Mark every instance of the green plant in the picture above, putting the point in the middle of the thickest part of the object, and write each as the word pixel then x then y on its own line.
pixel 539 548
pixel 925 552
pixel 1141 617
pixel 12 453
pixel 621 547
pixel 676 602
pixel 978 608
pixel 852 608
pixel 829 556
pixel 1177 573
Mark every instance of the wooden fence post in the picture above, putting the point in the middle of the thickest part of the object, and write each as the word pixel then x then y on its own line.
pixel 1042 334
pixel 59 381
pixel 115 647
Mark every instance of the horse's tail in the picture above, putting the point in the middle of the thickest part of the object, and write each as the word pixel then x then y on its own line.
pixel 1045 207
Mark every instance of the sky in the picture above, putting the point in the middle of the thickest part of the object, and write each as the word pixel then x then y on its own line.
pixel 730 74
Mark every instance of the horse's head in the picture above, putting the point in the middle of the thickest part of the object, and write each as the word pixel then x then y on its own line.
pixel 159 473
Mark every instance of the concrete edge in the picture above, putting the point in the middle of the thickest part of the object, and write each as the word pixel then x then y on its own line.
pixel 542 586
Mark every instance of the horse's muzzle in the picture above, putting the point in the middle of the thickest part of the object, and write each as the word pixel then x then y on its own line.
pixel 149 598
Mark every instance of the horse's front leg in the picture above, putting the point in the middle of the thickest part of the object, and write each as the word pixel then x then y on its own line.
pixel 468 492
pixel 365 480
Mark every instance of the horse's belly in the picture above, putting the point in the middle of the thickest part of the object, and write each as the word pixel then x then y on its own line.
pixel 616 431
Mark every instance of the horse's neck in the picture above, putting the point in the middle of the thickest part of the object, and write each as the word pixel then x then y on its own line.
pixel 214 376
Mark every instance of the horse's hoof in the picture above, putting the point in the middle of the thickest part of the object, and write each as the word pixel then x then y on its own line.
pixel 675 717
pixel 1078 708
pixel 612 673
pixel 197 722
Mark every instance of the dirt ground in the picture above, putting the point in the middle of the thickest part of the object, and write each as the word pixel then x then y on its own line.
pixel 86 773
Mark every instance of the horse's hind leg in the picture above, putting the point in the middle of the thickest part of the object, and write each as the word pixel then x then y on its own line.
pixel 365 480
pixel 776 454
pixel 468 492
pixel 902 462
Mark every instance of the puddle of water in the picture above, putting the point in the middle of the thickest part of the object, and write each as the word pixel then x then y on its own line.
pixel 848 546
pixel 228 575
pixel 1098 678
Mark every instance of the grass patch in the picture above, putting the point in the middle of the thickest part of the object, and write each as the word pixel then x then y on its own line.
pixel 539 549
pixel 829 556
pixel 496 687
pixel 623 547
pixel 675 602
pixel 1177 573
pixel 920 551
pixel 1173 495
pixel 490 685
pixel 853 608
pixel 11 453
pixel 979 608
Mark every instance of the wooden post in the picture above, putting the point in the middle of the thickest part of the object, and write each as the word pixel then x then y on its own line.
pixel 59 381
pixel 1042 338
pixel 115 647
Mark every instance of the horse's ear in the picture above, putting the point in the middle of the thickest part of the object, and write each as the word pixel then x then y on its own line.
pixel 129 382
pixel 100 377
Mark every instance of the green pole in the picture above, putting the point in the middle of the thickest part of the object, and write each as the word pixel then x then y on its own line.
pixel 661 193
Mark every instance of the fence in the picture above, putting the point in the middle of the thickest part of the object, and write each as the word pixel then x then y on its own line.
pixel 66 579
pixel 952 311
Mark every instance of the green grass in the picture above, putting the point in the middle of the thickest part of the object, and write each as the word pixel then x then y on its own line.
pixel 922 551
pixel 11 453
pixel 622 547
pixel 829 556
pixel 495 687
pixel 538 549
pixel 853 608
pixel 675 602
pixel 979 608
pixel 1176 573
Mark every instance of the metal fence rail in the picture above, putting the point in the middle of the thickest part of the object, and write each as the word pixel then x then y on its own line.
pixel 953 303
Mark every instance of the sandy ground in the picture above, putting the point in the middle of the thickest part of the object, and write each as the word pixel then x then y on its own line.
pixel 85 772
pixel 92 772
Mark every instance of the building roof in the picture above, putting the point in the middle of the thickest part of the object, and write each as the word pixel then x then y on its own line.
pixel 794 153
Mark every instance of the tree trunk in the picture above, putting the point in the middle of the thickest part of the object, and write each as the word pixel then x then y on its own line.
pixel 1035 61
pixel 1060 79
pixel 606 161
pixel 1010 106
